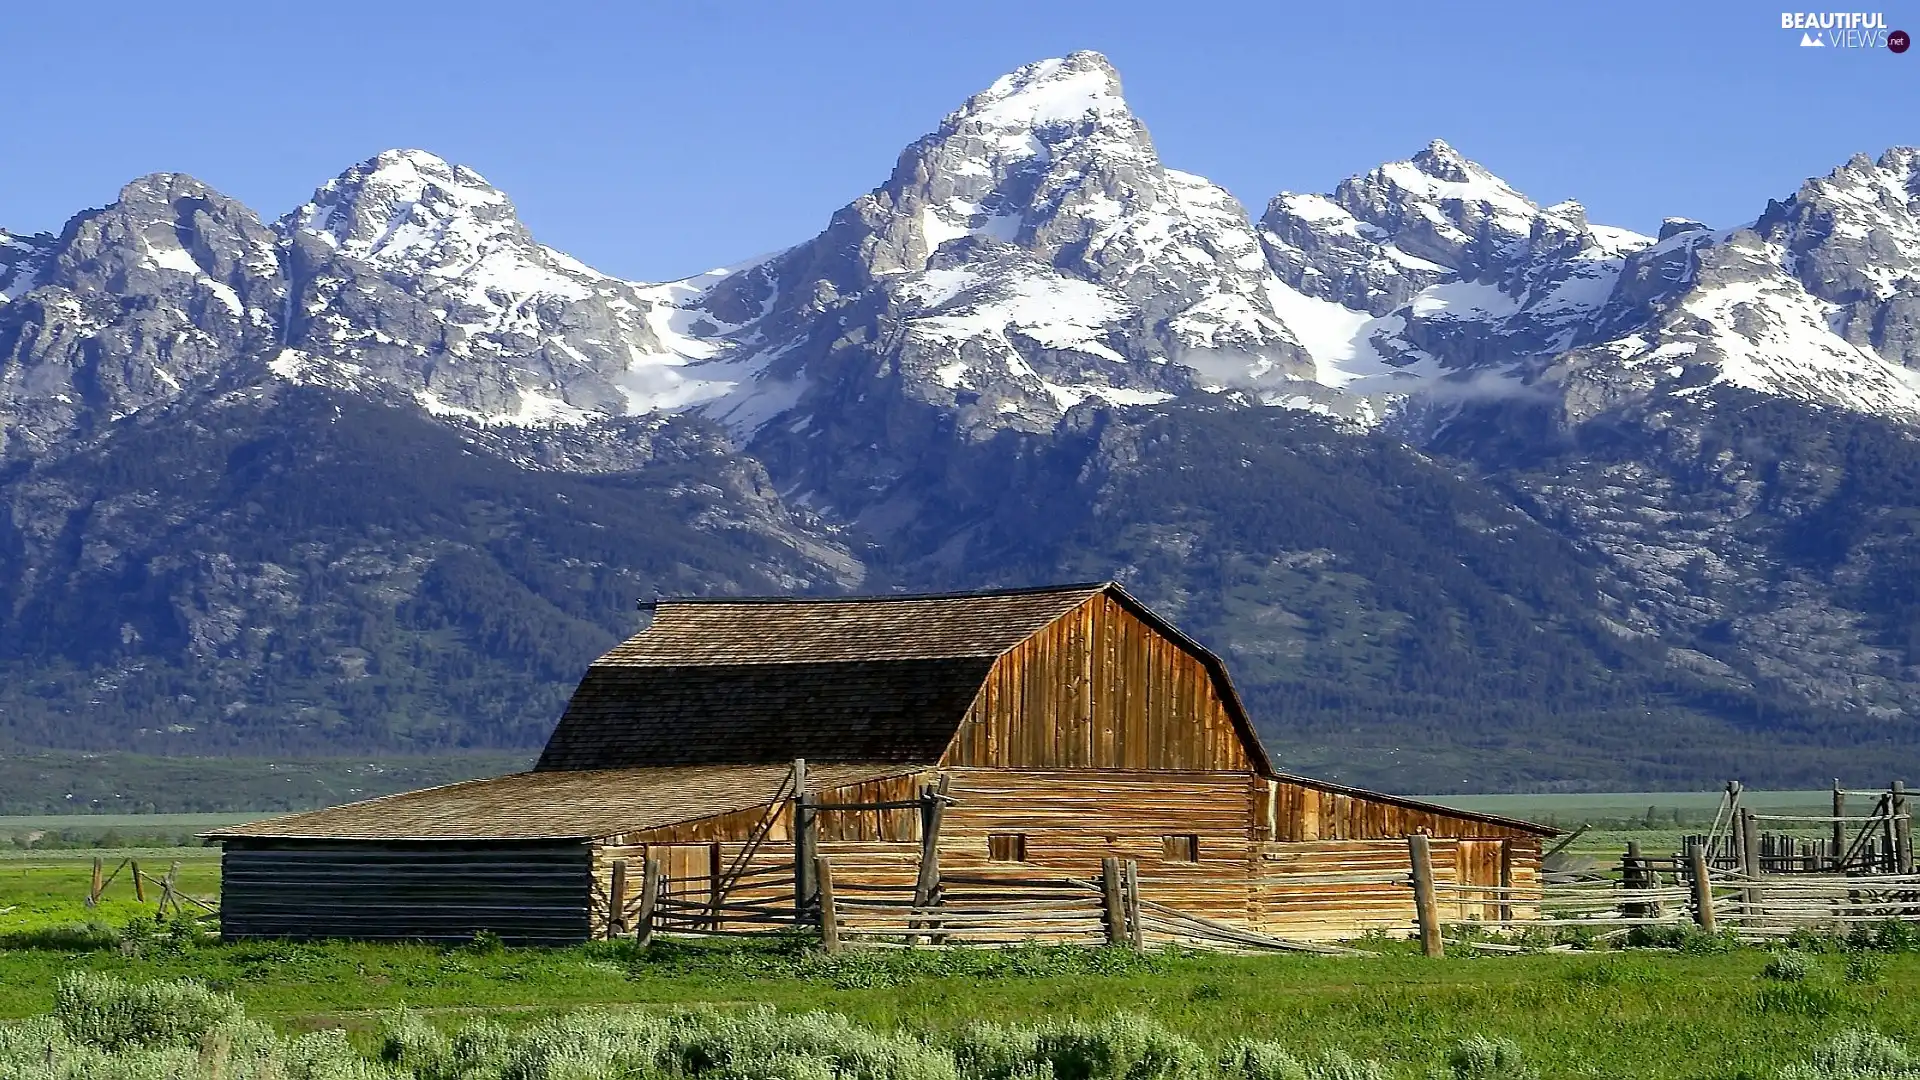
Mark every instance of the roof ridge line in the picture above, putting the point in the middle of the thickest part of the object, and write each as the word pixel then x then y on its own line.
pixel 881 598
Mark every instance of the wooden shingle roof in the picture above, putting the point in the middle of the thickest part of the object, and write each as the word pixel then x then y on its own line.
pixel 790 630
pixel 741 681
pixel 579 805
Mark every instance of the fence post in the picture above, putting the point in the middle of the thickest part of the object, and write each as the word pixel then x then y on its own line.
pixel 803 843
pixel 649 898
pixel 617 900
pixel 1839 827
pixel 139 887
pixel 1630 881
pixel 1702 887
pixel 1110 888
pixel 1136 933
pixel 1902 830
pixel 829 918
pixel 926 886
pixel 93 890
pixel 1426 910
pixel 1750 865
pixel 1506 881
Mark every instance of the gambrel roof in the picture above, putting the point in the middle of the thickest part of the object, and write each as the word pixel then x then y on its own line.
pixel 846 679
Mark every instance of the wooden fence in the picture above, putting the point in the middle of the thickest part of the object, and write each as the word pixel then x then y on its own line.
pixel 166 894
pixel 1691 891
pixel 1879 841
pixel 972 908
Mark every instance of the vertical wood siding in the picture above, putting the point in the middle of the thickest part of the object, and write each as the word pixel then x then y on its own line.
pixel 1099 689
pixel 1297 811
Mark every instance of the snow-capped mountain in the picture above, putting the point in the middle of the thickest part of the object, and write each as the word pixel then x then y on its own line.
pixel 1030 254
pixel 1034 350
pixel 171 287
pixel 415 273
pixel 1432 281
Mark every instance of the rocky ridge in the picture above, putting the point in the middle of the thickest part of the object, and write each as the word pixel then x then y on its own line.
pixel 1034 351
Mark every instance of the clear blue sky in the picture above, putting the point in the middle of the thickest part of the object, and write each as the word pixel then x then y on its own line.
pixel 655 140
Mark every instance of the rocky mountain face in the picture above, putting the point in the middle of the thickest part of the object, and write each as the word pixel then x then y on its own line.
pixel 1463 485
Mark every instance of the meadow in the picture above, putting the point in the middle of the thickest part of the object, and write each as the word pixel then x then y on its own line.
pixel 1706 1009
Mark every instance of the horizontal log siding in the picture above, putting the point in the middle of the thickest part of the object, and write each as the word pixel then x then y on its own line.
pixel 528 894
pixel 857 834
pixel 1073 819
pixel 1320 908
pixel 1099 689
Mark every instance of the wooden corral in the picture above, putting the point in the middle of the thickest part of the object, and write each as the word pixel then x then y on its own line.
pixel 949 742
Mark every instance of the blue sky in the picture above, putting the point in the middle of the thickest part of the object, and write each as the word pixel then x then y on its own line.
pixel 655 140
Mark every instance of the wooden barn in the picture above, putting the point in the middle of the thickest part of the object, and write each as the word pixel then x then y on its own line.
pixel 912 747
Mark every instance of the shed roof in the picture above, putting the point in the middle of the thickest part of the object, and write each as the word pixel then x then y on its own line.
pixel 576 805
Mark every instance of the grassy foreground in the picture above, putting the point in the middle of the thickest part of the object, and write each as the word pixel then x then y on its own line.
pixel 1711 1013
pixel 1745 1013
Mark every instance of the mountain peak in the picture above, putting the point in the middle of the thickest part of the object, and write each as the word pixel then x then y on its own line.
pixel 399 204
pixel 1442 162
pixel 1047 93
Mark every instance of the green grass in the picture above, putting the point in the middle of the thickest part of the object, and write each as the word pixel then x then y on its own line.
pixel 1612 1015
pixel 1608 1014
pixel 46 889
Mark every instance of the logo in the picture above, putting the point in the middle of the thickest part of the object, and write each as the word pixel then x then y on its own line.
pixel 1844 30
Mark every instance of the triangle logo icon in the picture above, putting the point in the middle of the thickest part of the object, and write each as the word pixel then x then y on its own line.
pixel 1808 41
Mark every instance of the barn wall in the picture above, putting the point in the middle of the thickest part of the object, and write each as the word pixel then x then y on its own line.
pixel 1293 811
pixel 527 893
pixel 873 844
pixel 1099 688
pixel 1297 895
pixel 1073 819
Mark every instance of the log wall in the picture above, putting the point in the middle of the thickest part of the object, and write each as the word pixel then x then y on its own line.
pixel 1071 819
pixel 530 894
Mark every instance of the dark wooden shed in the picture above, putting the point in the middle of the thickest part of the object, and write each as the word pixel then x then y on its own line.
pixel 1063 726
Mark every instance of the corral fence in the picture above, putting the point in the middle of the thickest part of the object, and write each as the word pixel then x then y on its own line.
pixel 1749 841
pixel 1018 906
pixel 1689 891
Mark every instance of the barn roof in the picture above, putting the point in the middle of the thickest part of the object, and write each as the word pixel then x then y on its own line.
pixel 578 805
pixel 769 679
pixel 801 630
pixel 739 680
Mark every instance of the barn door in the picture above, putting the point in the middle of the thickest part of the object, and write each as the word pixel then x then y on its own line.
pixel 1478 863
pixel 689 883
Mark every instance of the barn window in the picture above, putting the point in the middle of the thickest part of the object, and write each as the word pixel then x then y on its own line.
pixel 1007 847
pixel 1180 848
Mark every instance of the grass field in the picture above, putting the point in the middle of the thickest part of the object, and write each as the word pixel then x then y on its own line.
pixel 1614 1014
pixel 1611 1015
pixel 1607 1014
